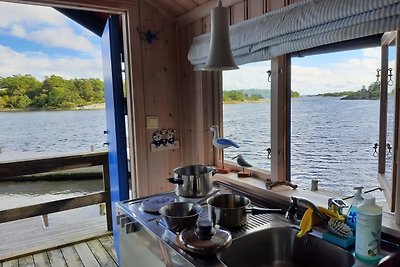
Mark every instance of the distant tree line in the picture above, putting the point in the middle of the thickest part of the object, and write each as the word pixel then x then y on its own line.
pixel 54 92
pixel 238 95
pixel 243 95
pixel 372 93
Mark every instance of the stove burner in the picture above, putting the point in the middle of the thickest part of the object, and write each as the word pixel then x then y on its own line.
pixel 153 204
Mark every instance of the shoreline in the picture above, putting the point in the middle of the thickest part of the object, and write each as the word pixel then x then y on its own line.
pixel 265 100
pixel 95 106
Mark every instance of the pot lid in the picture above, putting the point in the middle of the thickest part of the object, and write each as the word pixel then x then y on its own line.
pixel 153 204
pixel 204 239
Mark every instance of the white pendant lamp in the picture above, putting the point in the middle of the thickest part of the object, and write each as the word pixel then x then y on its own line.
pixel 220 56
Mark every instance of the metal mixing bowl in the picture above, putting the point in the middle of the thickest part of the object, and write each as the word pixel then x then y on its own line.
pixel 180 215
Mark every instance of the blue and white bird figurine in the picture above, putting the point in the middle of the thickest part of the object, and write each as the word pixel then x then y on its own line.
pixel 221 143
pixel 242 163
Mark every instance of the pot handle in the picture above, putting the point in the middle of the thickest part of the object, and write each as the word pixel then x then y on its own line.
pixel 213 172
pixel 175 181
pixel 256 211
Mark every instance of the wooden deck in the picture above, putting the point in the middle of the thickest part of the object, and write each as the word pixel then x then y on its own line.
pixel 27 236
pixel 92 253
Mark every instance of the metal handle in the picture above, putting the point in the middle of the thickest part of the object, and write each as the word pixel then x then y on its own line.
pixel 175 181
pixel 256 211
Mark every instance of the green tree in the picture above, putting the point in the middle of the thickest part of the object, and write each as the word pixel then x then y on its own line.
pixel 55 92
pixel 295 94
pixel 374 91
pixel 2 103
pixel 255 97
pixel 60 93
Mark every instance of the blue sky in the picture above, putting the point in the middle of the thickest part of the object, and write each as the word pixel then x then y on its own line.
pixel 41 41
pixel 312 75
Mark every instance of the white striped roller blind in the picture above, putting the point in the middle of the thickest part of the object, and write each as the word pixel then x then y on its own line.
pixel 303 25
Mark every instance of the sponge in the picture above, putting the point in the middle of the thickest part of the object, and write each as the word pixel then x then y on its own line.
pixel 337 240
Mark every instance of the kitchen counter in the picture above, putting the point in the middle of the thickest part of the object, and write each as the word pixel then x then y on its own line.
pixel 146 235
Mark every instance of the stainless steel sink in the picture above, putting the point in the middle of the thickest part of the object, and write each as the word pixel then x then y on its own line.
pixel 280 247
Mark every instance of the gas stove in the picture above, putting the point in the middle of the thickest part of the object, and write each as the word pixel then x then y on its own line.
pixel 144 236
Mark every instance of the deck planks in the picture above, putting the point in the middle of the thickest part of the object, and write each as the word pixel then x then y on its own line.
pixel 11 263
pixel 56 258
pixel 87 258
pixel 41 260
pixel 26 261
pixel 101 253
pixel 97 252
pixel 28 235
pixel 108 244
pixel 71 256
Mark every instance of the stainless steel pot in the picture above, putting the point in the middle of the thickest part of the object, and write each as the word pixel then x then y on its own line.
pixel 232 210
pixel 180 215
pixel 193 181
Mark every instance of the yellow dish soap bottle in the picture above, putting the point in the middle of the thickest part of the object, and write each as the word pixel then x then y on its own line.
pixel 368 231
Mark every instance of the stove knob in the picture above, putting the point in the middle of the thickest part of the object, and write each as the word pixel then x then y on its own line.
pixel 131 227
pixel 119 218
pixel 124 221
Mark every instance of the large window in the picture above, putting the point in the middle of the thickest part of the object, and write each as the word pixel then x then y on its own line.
pixel 335 121
pixel 246 113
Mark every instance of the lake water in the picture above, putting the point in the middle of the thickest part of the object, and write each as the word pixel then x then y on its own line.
pixel 332 141
pixel 45 133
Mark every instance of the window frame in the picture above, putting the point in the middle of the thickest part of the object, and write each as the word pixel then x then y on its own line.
pixel 389 189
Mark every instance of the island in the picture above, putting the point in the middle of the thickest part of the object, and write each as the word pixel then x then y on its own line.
pixel 250 95
pixel 25 92
pixel 372 93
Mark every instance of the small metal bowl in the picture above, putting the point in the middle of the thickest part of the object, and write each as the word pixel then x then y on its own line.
pixel 180 215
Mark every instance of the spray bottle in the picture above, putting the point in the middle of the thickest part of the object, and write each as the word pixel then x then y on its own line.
pixel 351 218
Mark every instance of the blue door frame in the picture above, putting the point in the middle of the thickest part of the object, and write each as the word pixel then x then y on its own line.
pixel 116 135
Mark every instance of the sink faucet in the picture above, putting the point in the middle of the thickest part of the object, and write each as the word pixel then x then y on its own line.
pixel 294 202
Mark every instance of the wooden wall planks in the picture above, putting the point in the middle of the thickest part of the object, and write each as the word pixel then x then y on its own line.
pixel 200 91
pixel 165 85
pixel 160 94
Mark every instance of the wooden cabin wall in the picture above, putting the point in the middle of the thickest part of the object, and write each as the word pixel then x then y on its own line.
pixel 198 89
pixel 158 96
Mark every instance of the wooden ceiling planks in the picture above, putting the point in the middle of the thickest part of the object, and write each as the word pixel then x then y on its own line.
pixel 186 4
pixel 172 6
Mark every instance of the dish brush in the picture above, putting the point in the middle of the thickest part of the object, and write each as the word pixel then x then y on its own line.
pixel 339 228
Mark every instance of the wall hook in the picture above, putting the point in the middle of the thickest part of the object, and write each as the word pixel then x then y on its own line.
pixel 149 36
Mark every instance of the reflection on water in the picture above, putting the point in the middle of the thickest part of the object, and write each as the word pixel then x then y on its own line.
pixel 19 194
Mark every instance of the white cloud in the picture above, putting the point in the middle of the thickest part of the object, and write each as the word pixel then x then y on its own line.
pixel 61 37
pixel 40 65
pixel 44 26
pixel 18 31
pixel 353 71
pixel 12 14
pixel 248 76
pixel 351 74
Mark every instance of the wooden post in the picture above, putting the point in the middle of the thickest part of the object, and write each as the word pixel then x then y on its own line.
pixel 280 118
pixel 383 110
pixel 106 185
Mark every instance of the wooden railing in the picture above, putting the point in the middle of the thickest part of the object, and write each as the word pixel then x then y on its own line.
pixel 58 163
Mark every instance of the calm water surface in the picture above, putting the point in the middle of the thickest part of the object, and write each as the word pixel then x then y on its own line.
pixel 332 141
pixel 46 133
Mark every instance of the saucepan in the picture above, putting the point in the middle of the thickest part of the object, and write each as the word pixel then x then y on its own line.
pixel 193 181
pixel 232 210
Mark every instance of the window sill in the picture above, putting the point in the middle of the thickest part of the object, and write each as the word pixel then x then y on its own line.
pixel 282 193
